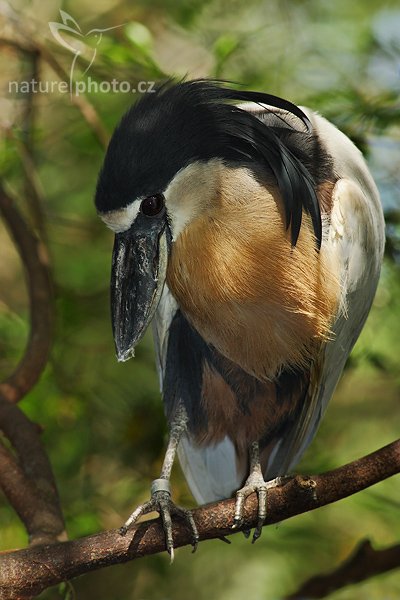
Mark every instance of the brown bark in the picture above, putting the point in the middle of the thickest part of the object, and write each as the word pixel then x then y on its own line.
pixel 27 572
pixel 35 260
pixel 25 472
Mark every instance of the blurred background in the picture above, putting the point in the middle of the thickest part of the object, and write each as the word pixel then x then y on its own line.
pixel 103 421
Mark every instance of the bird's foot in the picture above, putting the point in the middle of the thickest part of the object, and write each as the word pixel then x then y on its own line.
pixel 254 483
pixel 161 502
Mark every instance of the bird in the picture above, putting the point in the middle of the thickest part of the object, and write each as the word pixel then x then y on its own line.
pixel 249 233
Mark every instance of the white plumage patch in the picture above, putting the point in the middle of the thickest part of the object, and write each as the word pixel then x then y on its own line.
pixel 190 192
pixel 122 219
pixel 352 234
pixel 210 471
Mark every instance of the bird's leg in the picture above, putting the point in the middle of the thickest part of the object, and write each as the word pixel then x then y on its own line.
pixel 254 483
pixel 160 500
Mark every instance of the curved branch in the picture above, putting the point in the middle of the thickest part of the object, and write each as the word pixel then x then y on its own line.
pixel 28 480
pixel 35 260
pixel 364 563
pixel 27 572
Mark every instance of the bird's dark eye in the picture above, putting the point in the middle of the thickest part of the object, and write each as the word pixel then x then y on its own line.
pixel 152 205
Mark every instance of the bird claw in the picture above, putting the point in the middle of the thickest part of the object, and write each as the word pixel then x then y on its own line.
pixel 161 502
pixel 255 483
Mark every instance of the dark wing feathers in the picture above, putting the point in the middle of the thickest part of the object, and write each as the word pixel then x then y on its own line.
pixel 216 393
pixel 215 90
pixel 182 382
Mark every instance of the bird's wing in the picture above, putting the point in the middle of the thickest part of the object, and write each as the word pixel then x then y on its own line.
pixel 354 237
pixel 354 241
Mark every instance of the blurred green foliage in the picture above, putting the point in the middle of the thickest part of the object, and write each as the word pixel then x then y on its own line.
pixel 103 422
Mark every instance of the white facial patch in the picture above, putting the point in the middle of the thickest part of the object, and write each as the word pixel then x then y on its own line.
pixel 122 219
pixel 190 192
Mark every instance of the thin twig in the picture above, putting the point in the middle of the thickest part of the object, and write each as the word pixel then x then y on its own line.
pixel 25 572
pixel 85 107
pixel 364 562
pixel 33 189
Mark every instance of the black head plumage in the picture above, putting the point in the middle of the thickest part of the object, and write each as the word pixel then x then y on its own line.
pixel 195 120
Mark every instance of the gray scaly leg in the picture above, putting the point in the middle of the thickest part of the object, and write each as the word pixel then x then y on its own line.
pixel 160 500
pixel 254 483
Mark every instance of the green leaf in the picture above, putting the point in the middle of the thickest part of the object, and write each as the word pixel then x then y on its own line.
pixel 140 36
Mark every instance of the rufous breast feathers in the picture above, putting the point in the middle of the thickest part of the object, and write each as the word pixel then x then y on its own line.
pixel 259 301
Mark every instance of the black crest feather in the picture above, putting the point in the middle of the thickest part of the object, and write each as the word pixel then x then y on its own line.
pixel 198 120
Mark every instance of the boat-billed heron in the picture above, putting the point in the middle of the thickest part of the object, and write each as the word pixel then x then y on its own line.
pixel 251 237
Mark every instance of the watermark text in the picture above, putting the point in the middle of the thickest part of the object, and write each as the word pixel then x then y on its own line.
pixel 76 88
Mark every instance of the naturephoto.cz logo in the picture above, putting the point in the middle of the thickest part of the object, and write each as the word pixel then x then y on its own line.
pixel 69 34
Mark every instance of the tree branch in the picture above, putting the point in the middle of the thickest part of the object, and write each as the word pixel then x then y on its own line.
pixel 27 572
pixel 35 260
pixel 364 563
pixel 27 479
pixel 28 482
pixel 26 149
